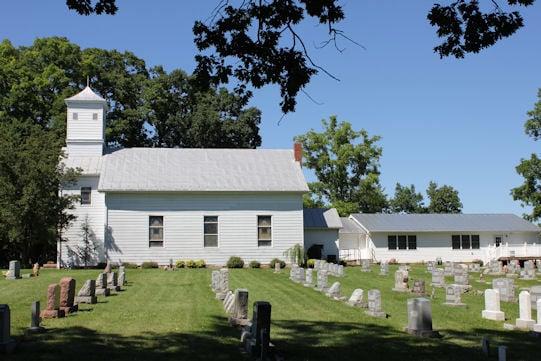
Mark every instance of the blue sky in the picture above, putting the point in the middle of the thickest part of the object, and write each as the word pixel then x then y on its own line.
pixel 458 122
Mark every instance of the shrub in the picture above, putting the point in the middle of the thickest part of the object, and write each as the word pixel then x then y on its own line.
pixel 255 264
pixel 190 263
pixel 296 254
pixel 200 264
pixel 180 264
pixel 342 263
pixel 149 265
pixel 311 263
pixel 478 261
pixel 235 262
pixel 273 263
pixel 129 265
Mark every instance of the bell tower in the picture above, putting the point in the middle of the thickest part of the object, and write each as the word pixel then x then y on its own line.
pixel 85 134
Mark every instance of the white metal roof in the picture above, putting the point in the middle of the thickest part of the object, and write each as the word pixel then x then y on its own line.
pixel 444 223
pixel 87 94
pixel 192 170
pixel 87 165
pixel 350 226
pixel 321 218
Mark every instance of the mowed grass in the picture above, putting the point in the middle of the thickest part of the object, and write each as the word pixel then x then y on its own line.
pixel 173 316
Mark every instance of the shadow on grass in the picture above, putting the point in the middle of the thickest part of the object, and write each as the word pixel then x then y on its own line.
pixel 294 339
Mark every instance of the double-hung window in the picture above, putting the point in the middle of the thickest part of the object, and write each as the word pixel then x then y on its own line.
pixel 402 241
pixel 155 231
pixel 210 230
pixel 86 195
pixel 264 231
pixel 465 241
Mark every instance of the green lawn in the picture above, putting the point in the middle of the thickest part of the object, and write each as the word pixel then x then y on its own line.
pixel 174 316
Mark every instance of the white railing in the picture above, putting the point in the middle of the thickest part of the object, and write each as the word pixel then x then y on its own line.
pixel 349 255
pixel 505 250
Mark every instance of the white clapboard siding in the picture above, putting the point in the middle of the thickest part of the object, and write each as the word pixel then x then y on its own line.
pixel 85 127
pixel 96 217
pixel 128 218
pixel 84 149
pixel 326 237
pixel 431 246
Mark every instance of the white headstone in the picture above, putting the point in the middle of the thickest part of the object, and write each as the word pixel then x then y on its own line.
pixel 525 321
pixel 357 298
pixel 492 306
pixel 334 291
pixel 537 326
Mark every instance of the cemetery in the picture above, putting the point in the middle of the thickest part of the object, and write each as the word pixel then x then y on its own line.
pixel 299 314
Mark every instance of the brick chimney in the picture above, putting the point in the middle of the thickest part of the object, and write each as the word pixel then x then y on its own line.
pixel 297 151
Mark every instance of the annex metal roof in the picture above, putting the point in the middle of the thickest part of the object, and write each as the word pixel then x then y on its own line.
pixel 321 218
pixel 193 170
pixel 87 165
pixel 444 223
pixel 350 226
pixel 87 94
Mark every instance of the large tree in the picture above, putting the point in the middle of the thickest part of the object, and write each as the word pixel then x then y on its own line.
pixel 443 199
pixel 529 192
pixel 258 42
pixel 406 200
pixel 346 164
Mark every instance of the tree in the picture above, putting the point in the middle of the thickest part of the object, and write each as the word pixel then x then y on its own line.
pixel 258 42
pixel 529 192
pixel 86 250
pixel 444 199
pixel 32 209
pixel 406 200
pixel 346 164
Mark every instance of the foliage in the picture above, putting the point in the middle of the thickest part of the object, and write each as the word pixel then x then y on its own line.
pixel 273 262
pixel 86 250
pixel 191 264
pixel 406 200
pixel 311 263
pixel 346 164
pixel 200 264
pixel 529 192
pixel 444 199
pixel 86 7
pixel 255 264
pixel 295 254
pixel 129 265
pixel 180 264
pixel 149 264
pixel 235 262
pixel 33 211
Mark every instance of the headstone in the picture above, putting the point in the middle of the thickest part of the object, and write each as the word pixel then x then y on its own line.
pixel 535 294
pixel 485 346
pixel 322 280
pixel 419 287
pixel 300 276
pixel 53 303
pixel 462 280
pixel 35 270
pixel 101 285
pixel 112 281
pixel 14 271
pixel 528 274
pixel 374 304
pixel 35 319
pixel 525 321
pixel 87 293
pixel 420 317
pixel 492 306
pixel 67 295
pixel 228 302
pixel 383 269
pixel 214 280
pixel 334 292
pixel 365 265
pixel 107 268
pixel 438 278
pixel 474 267
pixel 257 337
pixel 7 344
pixel 400 281
pixel 223 284
pixel 340 270
pixel 448 268
pixel 277 267
pixel 122 278
pixel 357 299
pixel 506 289
pixel 309 280
pixel 453 295
pixel 502 353
pixel 240 311
pixel 537 326
pixel 293 271
pixel 430 266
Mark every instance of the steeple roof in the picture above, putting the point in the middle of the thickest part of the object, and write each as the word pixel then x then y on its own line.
pixel 86 95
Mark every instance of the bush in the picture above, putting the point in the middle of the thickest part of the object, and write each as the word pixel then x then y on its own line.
pixel 273 263
pixel 342 263
pixel 129 265
pixel 200 264
pixel 149 265
pixel 235 262
pixel 191 263
pixel 180 264
pixel 311 263
pixel 255 264
pixel 478 261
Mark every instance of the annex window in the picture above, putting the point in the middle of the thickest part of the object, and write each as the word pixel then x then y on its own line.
pixel 412 242
pixel 86 195
pixel 210 230
pixel 402 244
pixel 94 116
pixel 455 241
pixel 155 231
pixel 475 241
pixel 75 116
pixel 466 241
pixel 264 231
pixel 391 242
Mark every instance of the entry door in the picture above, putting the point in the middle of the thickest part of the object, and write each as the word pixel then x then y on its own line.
pixel 497 240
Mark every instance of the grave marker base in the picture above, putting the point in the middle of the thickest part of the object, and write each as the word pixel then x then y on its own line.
pixel 103 292
pixel 380 314
pixel 493 315
pixel 86 299
pixel 52 314
pixel 525 324
pixel 423 333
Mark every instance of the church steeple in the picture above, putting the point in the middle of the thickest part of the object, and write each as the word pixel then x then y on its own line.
pixel 85 134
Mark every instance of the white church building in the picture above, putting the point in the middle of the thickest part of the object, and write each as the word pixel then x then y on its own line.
pixel 163 205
